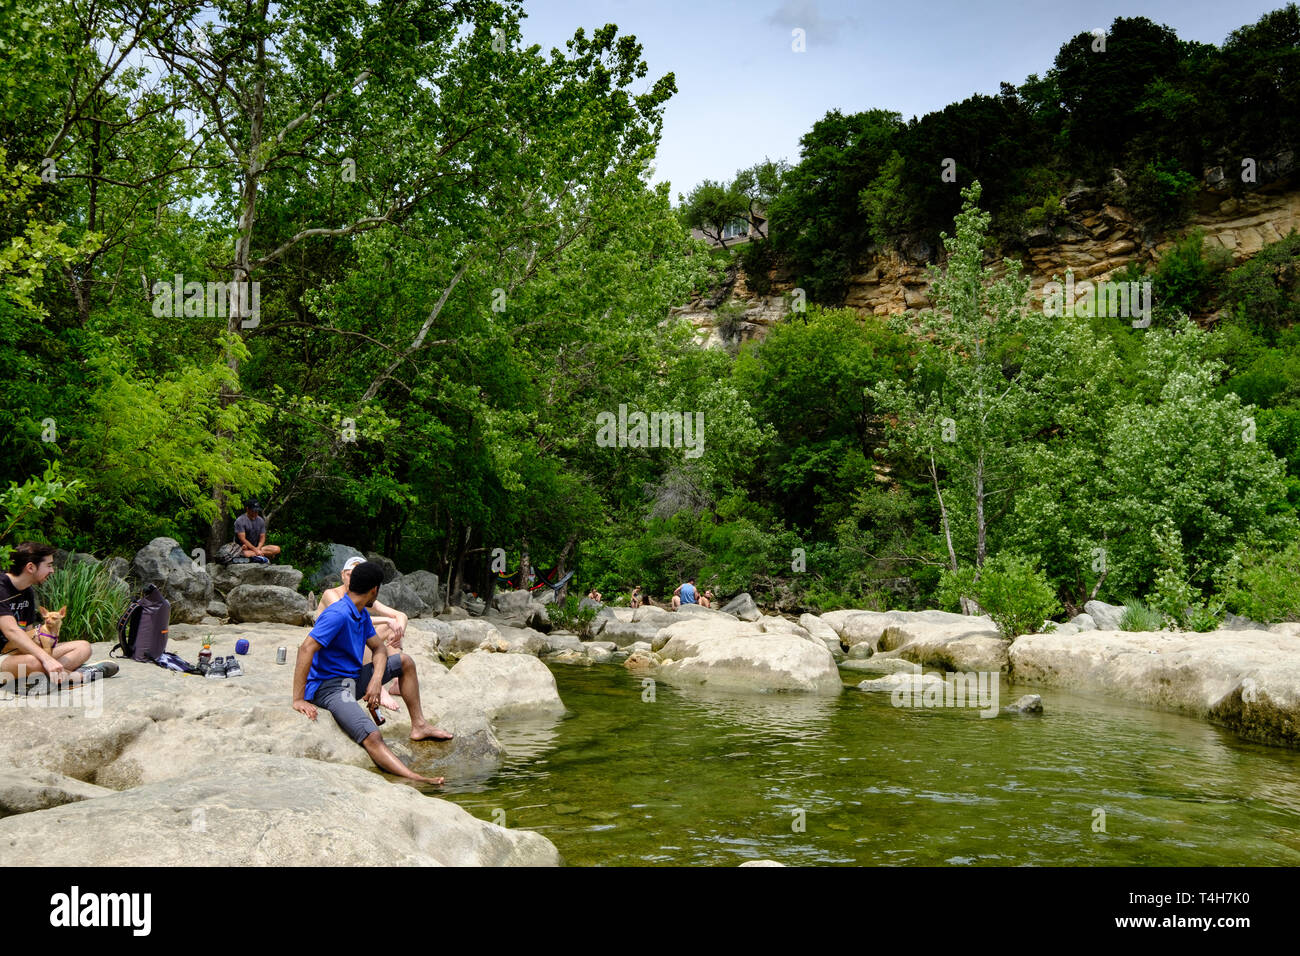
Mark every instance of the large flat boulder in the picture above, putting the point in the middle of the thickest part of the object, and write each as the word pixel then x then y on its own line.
pixel 857 627
pixel 162 562
pixel 1247 681
pixel 731 655
pixel 504 684
pixel 961 646
pixel 263 810
pixel 267 602
pixel 149 724
pixel 627 634
pixel 225 577
pixel 467 635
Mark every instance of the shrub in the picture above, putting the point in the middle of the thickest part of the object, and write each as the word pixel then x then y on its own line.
pixel 757 258
pixel 1009 588
pixel 95 600
pixel 1205 616
pixel 570 617
pixel 1159 192
pixel 1266 585
pixel 1138 617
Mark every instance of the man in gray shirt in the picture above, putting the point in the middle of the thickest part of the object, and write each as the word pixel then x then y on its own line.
pixel 250 534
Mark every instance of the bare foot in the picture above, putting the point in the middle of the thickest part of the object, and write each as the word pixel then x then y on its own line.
pixel 386 700
pixel 427 731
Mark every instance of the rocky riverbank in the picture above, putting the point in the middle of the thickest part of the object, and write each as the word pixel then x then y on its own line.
pixel 169 768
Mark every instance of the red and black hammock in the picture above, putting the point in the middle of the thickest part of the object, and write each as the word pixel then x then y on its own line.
pixel 542 578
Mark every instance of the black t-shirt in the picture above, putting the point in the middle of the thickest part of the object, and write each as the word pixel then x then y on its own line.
pixel 18 603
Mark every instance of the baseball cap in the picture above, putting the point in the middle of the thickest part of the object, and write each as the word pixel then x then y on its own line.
pixel 254 504
pixel 352 562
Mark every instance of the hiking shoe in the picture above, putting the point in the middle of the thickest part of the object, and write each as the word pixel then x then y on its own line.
pixel 32 686
pixel 89 675
pixel 260 559
pixel 233 669
pixel 217 669
pixel 104 668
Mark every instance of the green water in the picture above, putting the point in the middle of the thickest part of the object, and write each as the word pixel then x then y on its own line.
pixel 706 778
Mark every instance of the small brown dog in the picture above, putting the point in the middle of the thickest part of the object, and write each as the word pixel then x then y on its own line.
pixel 47 635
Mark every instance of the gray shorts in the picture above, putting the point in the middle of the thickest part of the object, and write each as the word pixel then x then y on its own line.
pixel 339 695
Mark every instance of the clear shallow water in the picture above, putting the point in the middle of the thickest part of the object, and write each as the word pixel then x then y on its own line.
pixel 717 779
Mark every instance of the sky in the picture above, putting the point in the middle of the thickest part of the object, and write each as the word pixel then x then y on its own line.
pixel 745 94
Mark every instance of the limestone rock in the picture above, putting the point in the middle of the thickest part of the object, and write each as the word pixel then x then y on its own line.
pixel 162 562
pixel 1105 617
pixel 391 573
pixel 329 574
pixel 1028 704
pixel 30 789
pixel 226 577
pixel 399 596
pixel 267 602
pixel 262 810
pixel 743 607
pixel 426 588
pixel 1247 681
pixel 736 656
pixel 467 635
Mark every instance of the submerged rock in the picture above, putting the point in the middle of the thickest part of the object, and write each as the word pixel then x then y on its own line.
pixel 1028 704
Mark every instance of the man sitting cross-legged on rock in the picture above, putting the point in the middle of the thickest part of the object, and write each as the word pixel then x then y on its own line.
pixel 24 650
pixel 329 671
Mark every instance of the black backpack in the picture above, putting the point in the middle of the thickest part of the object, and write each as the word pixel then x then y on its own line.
pixel 142 628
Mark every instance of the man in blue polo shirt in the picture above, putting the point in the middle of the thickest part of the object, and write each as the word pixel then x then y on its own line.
pixel 329 671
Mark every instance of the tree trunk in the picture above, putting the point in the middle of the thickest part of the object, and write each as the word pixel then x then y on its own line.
pixel 241 272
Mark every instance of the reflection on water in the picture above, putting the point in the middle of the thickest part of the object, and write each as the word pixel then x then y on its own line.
pixel 699 777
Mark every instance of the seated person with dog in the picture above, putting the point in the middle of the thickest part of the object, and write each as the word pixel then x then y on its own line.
pixel 329 671
pixel 27 650
pixel 390 624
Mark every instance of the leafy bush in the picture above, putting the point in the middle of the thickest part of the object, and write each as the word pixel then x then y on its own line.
pixel 95 600
pixel 1010 589
pixel 1138 617
pixel 758 258
pixel 1264 291
pixel 570 617
pixel 1205 616
pixel 1184 277
pixel 1159 192
pixel 1265 585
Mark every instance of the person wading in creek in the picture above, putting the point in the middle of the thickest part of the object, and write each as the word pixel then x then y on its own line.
pixel 329 671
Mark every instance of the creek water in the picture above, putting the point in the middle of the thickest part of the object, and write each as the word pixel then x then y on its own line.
pixel 705 778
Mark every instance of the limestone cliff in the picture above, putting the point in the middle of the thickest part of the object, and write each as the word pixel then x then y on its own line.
pixel 1094 239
